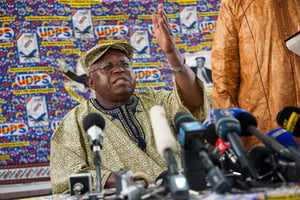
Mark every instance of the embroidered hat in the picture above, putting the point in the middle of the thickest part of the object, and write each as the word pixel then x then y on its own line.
pixel 98 51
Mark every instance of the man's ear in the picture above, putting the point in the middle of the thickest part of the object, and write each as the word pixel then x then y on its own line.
pixel 90 82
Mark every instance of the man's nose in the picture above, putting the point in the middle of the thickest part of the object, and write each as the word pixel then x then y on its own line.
pixel 118 68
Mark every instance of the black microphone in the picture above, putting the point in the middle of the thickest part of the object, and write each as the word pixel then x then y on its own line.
pixel 249 124
pixel 215 155
pixel 228 128
pixel 288 118
pixel 166 146
pixel 264 162
pixel 210 138
pixel 195 154
pixel 93 124
pixel 271 166
pixel 228 158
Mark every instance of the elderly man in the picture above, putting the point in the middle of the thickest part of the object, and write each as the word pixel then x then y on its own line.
pixel 128 139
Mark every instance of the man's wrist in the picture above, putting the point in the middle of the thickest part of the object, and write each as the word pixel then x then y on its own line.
pixel 181 70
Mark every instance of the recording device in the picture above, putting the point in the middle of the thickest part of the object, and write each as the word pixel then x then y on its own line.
pixel 197 164
pixel 228 129
pixel 288 118
pixel 249 124
pixel 285 138
pixel 80 183
pixel 166 146
pixel 93 124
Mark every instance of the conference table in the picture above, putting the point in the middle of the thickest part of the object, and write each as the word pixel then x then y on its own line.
pixel 286 192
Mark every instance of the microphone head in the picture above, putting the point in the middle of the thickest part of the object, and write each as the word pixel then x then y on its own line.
pixel 211 135
pixel 188 129
pixel 288 118
pixel 284 137
pixel 259 155
pixel 226 123
pixel 93 119
pixel 163 135
pixel 182 117
pixel 245 118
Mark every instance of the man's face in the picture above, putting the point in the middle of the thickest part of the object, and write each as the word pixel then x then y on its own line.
pixel 111 78
pixel 200 62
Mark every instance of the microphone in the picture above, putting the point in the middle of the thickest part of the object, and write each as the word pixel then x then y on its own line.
pixel 228 158
pixel 195 158
pixel 265 163
pixel 249 124
pixel 166 146
pixel 285 138
pixel 228 129
pixel 214 154
pixel 191 129
pixel 273 167
pixel 93 124
pixel 288 118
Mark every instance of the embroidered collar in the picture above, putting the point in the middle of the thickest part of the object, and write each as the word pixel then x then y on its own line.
pixel 126 115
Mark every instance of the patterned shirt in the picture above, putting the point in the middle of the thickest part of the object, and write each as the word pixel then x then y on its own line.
pixel 128 140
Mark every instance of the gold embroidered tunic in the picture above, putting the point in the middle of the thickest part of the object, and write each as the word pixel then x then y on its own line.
pixel 128 140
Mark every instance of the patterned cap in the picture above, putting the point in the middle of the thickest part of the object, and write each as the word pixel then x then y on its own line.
pixel 98 51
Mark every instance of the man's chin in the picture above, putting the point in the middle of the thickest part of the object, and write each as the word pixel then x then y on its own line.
pixel 123 92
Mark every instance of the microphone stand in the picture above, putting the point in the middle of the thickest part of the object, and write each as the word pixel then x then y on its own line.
pixel 97 163
pixel 177 184
pixel 98 194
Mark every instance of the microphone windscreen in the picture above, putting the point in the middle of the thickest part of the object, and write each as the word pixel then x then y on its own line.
pixel 246 119
pixel 93 119
pixel 258 156
pixel 163 135
pixel 211 135
pixel 288 118
pixel 226 123
pixel 284 137
pixel 182 117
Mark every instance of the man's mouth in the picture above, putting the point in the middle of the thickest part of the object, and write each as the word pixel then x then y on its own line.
pixel 120 81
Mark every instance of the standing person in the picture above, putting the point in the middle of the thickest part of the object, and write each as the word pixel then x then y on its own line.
pixel 128 140
pixel 251 65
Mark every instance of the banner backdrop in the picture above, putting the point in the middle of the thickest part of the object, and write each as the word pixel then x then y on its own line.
pixel 40 43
